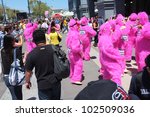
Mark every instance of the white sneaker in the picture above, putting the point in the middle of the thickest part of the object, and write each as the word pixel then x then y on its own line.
pixel 77 83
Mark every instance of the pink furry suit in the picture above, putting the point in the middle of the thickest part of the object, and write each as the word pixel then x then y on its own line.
pixel 120 37
pixel 86 33
pixel 143 41
pixel 132 36
pixel 74 52
pixel 28 36
pixel 111 61
pixel 116 35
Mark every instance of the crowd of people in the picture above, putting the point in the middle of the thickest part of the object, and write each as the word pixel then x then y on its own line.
pixel 115 39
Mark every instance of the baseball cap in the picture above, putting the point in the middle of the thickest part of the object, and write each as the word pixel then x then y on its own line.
pixel 102 90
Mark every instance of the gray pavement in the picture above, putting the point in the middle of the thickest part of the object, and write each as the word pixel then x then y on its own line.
pixel 69 91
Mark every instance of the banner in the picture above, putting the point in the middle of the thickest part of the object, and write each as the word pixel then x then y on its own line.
pixel 46 13
pixel 74 108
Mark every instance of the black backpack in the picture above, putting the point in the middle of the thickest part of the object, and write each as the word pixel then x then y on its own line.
pixel 61 63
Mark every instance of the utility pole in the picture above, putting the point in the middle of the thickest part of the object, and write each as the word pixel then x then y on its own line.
pixel 4 12
pixel 39 3
pixel 29 7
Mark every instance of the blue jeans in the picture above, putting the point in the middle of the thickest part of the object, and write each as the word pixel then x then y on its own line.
pixel 51 93
pixel 65 28
pixel 16 91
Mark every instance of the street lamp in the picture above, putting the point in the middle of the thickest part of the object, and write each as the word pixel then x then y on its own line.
pixel 28 7
pixel 39 3
pixel 96 12
pixel 4 12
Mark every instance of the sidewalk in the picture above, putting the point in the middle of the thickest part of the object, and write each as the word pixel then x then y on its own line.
pixel 27 94
pixel 69 91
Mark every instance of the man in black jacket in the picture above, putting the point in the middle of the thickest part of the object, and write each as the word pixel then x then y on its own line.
pixel 41 58
pixel 140 84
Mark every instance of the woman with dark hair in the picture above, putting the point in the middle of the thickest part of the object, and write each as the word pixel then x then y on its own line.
pixel 54 37
pixel 7 54
pixel 8 29
pixel 95 27
pixel 53 25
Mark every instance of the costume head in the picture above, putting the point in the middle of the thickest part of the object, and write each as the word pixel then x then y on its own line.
pixel 119 19
pixel 73 24
pixel 112 24
pixel 84 21
pixel 142 18
pixel 133 17
pixel 105 29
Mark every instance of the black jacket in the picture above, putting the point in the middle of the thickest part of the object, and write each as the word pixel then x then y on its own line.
pixel 140 85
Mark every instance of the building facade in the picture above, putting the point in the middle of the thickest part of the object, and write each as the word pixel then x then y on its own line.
pixel 79 7
pixel 108 8
pixel 87 7
pixel 73 6
pixel 83 8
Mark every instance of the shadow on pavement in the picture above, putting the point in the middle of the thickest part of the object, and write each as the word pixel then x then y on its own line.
pixel 32 98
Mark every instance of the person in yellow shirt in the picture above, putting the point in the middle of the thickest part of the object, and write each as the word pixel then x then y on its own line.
pixel 54 37
pixel 65 26
pixel 47 39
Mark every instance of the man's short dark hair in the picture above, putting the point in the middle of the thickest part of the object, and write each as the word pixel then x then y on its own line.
pixel 147 61
pixel 39 36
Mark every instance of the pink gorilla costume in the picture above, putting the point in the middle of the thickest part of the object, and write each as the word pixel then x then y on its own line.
pixel 121 36
pixel 143 41
pixel 132 35
pixel 28 36
pixel 86 33
pixel 110 58
pixel 74 52
pixel 116 35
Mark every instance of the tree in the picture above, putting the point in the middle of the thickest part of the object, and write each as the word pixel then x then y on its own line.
pixel 11 13
pixel 1 13
pixel 38 7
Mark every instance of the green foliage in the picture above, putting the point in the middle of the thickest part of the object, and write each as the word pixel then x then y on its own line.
pixel 38 7
pixel 1 13
pixel 11 13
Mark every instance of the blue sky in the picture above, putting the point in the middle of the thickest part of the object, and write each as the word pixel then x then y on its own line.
pixel 22 4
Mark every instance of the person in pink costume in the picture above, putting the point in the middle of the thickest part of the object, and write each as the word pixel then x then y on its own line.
pixel 28 36
pixel 110 58
pixel 121 35
pixel 113 27
pixel 86 33
pixel 116 35
pixel 131 36
pixel 119 20
pixel 74 53
pixel 30 28
pixel 142 41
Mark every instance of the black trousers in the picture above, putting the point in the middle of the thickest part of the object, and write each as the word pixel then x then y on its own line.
pixel 16 91
pixel 53 93
pixel 96 37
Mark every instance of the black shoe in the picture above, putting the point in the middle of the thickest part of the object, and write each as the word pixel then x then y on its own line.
pixel 83 77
